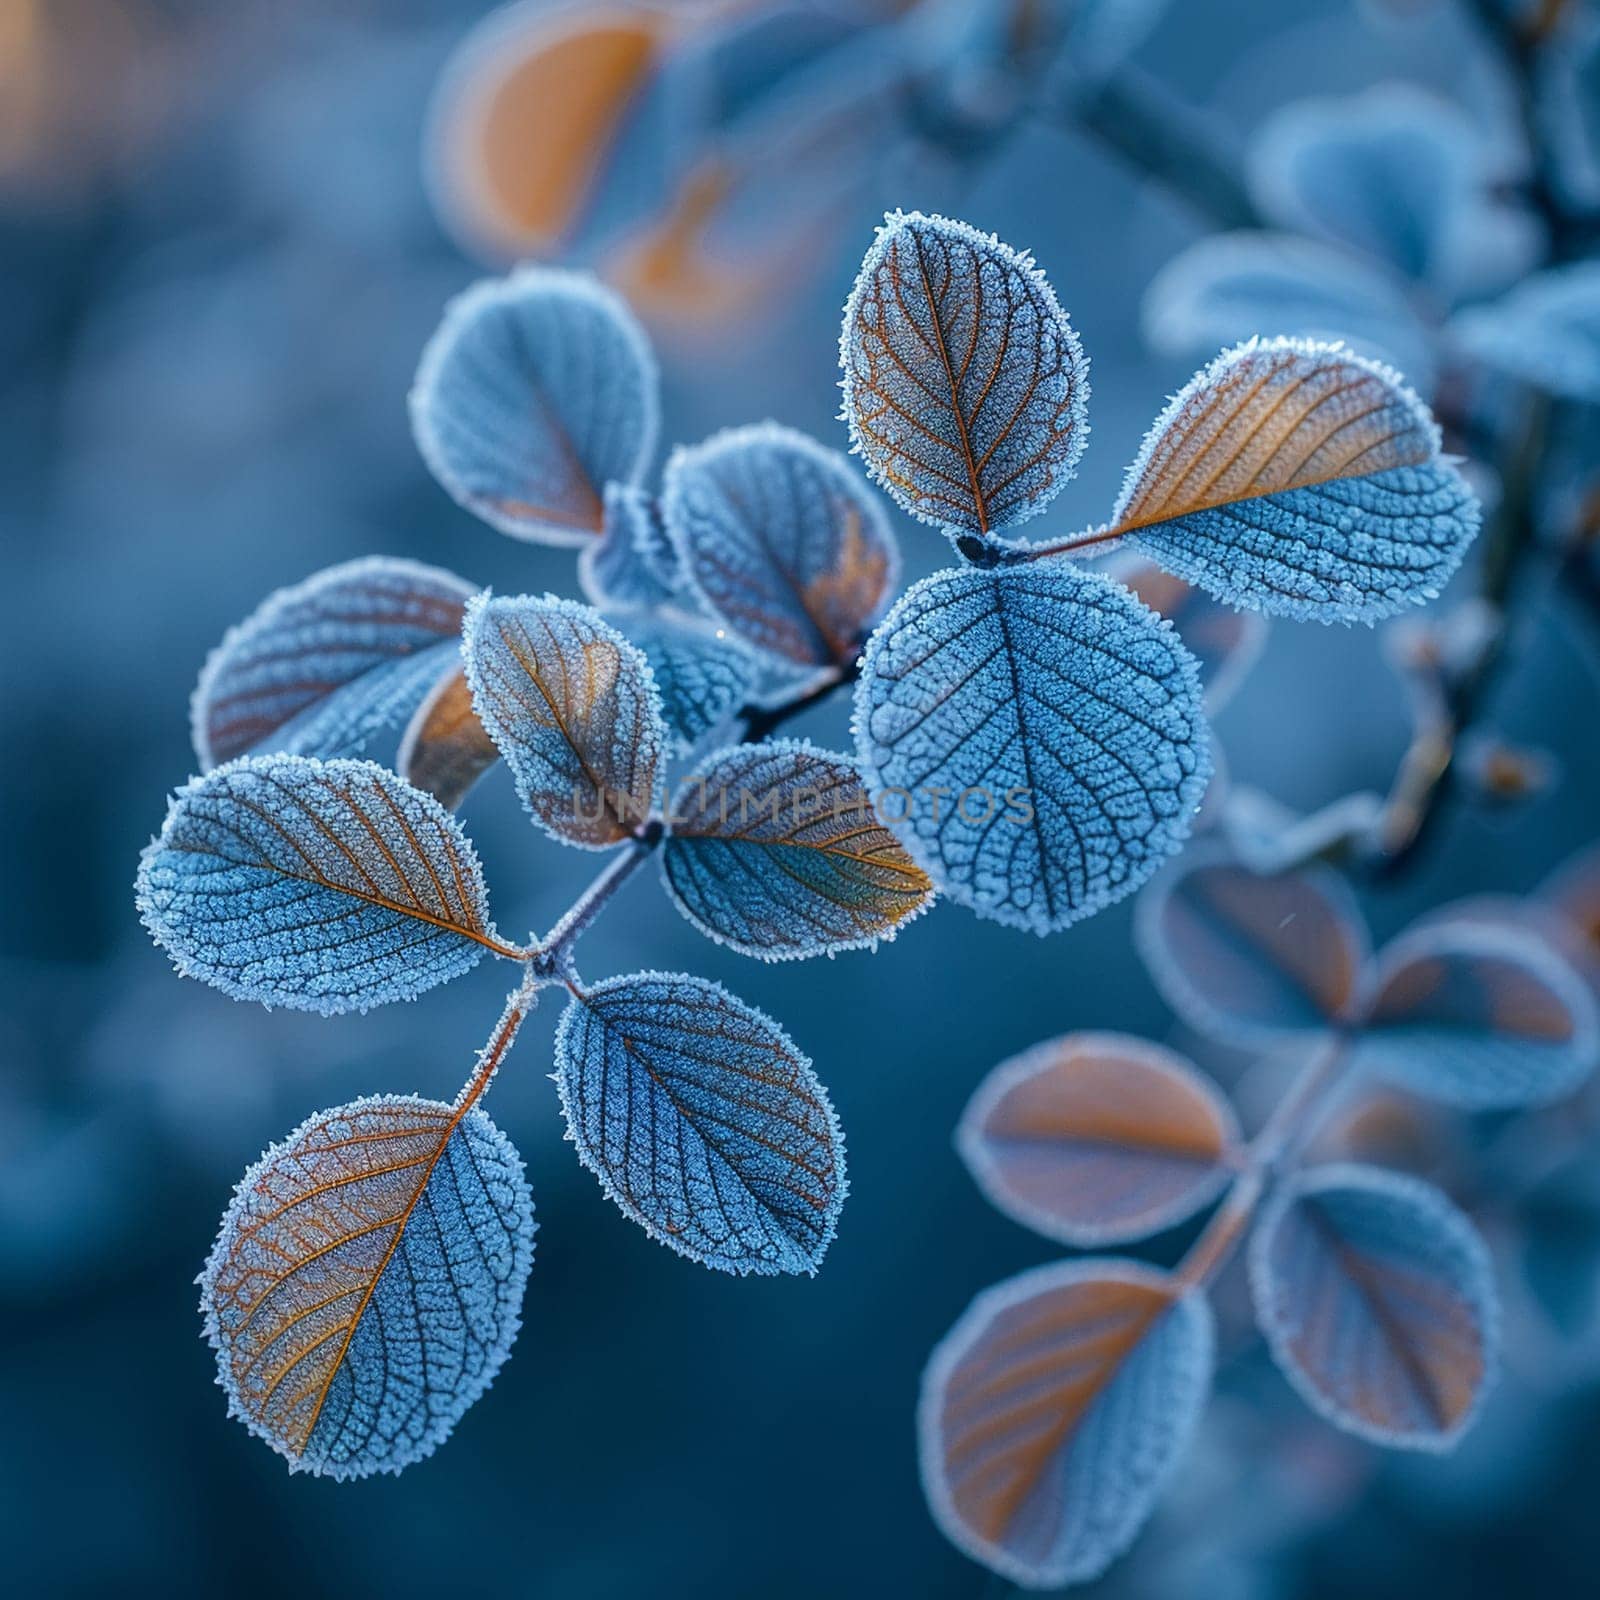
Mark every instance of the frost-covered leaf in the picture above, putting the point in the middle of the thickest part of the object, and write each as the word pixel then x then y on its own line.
pixel 1399 175
pixel 1545 332
pixel 1377 1299
pixel 444 750
pixel 551 121
pixel 781 541
pixel 633 563
pixel 702 1121
pixel 1055 1410
pixel 775 849
pixel 1040 732
pixel 322 885
pixel 321 667
pixel 1301 480
pixel 574 710
pixel 537 391
pixel 1245 955
pixel 1098 1138
pixel 965 386
pixel 1479 1016
pixel 367 1282
pixel 1223 641
pixel 1230 287
pixel 702 674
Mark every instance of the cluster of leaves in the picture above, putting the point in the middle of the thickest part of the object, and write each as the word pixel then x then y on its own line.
pixel 1043 727
pixel 1058 1406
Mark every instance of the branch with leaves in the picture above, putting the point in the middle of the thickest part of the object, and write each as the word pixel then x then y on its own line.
pixel 1032 743
pixel 1060 1404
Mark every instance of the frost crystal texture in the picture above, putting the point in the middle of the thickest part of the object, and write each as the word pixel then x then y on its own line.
pixel 319 668
pixel 365 1287
pixel 323 885
pixel 574 710
pixel 703 1122
pixel 537 391
pixel 964 384
pixel 1040 731
pixel 775 850
pixel 1300 480
pixel 781 541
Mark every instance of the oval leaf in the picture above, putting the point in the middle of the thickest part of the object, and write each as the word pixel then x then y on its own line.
pixel 537 390
pixel 1377 1300
pixel 1230 287
pixel 633 563
pixel 572 706
pixel 1545 332
pixel 1399 175
pixel 965 386
pixel 322 885
pixel 444 750
pixel 1098 1138
pixel 775 850
pixel 702 1121
pixel 1479 1016
pixel 319 668
pixel 1041 733
pixel 781 541
pixel 1248 956
pixel 701 673
pixel 1225 643
pixel 1301 480
pixel 1054 1411
pixel 366 1285
pixel 546 116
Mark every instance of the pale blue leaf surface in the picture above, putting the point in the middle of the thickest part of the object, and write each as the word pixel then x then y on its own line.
pixel 1250 956
pixel 367 1282
pixel 1230 287
pixel 1300 480
pixel 1546 331
pixel 321 667
pixel 1377 1299
pixel 1098 1138
pixel 1400 175
pixel 701 672
pixel 781 542
pixel 574 710
pixel 1041 732
pixel 775 850
pixel 1224 642
pixel 702 1121
pixel 633 563
pixel 321 885
pixel 537 391
pixel 1479 1015
pixel 1054 1412
pixel 965 386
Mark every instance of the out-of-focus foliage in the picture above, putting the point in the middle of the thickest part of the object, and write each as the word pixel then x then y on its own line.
pixel 1375 1294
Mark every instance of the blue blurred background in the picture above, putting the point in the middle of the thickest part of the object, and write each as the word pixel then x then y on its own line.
pixel 218 263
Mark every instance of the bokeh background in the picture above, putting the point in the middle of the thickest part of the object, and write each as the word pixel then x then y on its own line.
pixel 218 264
